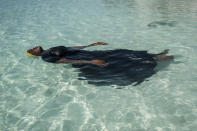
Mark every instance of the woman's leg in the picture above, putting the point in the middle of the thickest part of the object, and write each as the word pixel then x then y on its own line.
pixel 164 58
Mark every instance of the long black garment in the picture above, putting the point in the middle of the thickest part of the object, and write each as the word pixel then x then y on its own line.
pixel 124 67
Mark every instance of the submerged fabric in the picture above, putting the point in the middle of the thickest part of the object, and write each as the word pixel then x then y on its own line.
pixel 124 67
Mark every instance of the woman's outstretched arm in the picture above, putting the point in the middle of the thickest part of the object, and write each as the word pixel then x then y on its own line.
pixel 93 44
pixel 95 62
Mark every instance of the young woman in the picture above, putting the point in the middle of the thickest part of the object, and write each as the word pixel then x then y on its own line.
pixel 108 66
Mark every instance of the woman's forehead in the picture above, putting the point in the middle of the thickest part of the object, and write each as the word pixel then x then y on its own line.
pixel 36 47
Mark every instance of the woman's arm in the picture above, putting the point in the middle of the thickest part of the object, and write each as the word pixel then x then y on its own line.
pixel 93 44
pixel 95 62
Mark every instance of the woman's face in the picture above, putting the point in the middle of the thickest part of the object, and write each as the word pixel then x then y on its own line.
pixel 36 50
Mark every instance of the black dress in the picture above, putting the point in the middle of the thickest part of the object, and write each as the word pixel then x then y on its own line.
pixel 124 67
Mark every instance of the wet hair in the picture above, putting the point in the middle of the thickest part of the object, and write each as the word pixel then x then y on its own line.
pixel 41 48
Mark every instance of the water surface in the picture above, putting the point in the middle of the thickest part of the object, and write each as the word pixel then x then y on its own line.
pixel 40 96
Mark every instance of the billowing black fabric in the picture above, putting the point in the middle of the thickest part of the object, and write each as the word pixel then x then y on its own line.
pixel 124 67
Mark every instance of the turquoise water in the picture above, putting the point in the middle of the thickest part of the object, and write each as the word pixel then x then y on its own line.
pixel 40 96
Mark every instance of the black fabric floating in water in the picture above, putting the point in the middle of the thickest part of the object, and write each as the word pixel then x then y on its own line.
pixel 125 67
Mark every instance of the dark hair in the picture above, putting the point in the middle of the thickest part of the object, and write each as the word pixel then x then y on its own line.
pixel 41 48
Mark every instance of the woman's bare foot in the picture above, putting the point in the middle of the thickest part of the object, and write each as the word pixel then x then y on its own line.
pixel 164 52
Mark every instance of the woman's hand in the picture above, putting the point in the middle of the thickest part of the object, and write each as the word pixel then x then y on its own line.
pixel 98 43
pixel 99 63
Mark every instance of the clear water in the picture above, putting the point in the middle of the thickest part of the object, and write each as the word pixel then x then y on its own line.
pixel 39 96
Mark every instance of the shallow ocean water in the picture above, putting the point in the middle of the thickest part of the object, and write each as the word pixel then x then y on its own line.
pixel 40 96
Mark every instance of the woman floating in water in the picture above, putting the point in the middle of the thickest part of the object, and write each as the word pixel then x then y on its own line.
pixel 119 66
